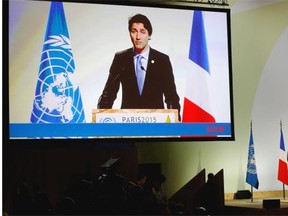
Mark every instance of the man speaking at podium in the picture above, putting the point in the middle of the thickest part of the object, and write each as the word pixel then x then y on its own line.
pixel 145 74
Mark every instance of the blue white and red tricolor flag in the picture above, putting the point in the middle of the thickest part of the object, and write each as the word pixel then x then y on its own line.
pixel 196 106
pixel 57 96
pixel 282 165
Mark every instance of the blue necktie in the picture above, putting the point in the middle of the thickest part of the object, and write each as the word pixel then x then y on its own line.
pixel 140 73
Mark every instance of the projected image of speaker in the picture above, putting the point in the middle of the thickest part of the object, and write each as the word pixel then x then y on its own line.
pixel 271 203
pixel 68 104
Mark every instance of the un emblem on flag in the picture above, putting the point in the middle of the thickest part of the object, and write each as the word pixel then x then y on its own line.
pixel 57 98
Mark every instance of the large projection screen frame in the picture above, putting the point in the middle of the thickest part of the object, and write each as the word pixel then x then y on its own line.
pixel 163 20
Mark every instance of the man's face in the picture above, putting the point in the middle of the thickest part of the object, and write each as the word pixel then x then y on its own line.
pixel 139 37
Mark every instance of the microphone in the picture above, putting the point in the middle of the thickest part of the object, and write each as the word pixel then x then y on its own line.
pixel 142 68
pixel 103 101
pixel 118 75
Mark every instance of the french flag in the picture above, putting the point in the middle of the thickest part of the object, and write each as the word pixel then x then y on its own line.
pixel 282 165
pixel 196 107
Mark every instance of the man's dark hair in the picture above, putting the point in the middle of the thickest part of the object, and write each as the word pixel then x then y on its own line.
pixel 140 18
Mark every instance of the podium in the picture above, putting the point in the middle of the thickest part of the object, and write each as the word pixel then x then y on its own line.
pixel 134 116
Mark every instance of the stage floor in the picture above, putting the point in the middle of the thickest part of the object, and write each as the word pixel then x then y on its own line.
pixel 255 207
pixel 256 203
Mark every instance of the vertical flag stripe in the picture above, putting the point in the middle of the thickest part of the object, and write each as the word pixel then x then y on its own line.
pixel 57 96
pixel 282 164
pixel 196 113
pixel 251 174
pixel 198 48
pixel 282 172
pixel 196 106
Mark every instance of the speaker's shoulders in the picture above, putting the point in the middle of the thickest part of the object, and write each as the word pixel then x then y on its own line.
pixel 125 52
pixel 154 52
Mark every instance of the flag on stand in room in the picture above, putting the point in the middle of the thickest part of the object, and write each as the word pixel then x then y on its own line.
pixel 57 96
pixel 282 164
pixel 196 107
pixel 251 174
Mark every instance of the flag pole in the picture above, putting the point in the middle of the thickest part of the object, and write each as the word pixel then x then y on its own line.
pixel 251 185
pixel 251 193
pixel 283 183
pixel 251 174
pixel 283 191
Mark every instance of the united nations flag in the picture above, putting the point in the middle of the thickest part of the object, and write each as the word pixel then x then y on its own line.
pixel 57 96
pixel 251 174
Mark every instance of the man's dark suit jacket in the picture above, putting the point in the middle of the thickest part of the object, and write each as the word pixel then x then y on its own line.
pixel 159 82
